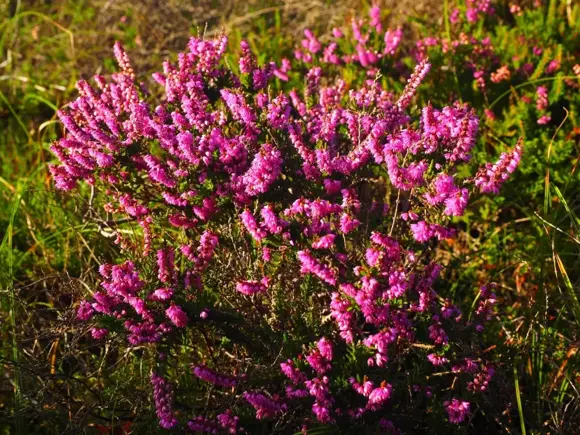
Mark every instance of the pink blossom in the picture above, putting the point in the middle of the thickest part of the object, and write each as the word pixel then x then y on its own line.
pixel 177 316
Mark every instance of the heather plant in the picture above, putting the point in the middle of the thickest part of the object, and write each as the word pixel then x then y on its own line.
pixel 278 250
pixel 242 319
pixel 516 64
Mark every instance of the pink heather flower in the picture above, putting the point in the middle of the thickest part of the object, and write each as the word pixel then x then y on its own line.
pixel 489 115
pixel 247 59
pixel 318 362
pixel 266 254
pixel 397 285
pixel 250 288
pixel 348 223
pixel 201 424
pixel 422 231
pixel 392 40
pixel 325 242
pixel 454 16
pixel 165 263
pixel 545 119
pixel 228 421
pixel 415 80
pixel 502 74
pixel 85 311
pixel 99 333
pixel 457 410
pixel 322 412
pixel 213 377
pixel 437 334
pixel 240 110
pixel 553 66
pixel 295 393
pixel 541 98
pixel 163 395
pixel 265 169
pixel 490 177
pixel 309 264
pixel 318 388
pixel 158 173
pixel 375 18
pixel 161 294
pixel 437 360
pixel 292 372
pixel 252 226
pixel 325 347
pixel 443 187
pixel 456 203
pixel 199 153
pixel 343 316
pixel 481 380
pixel 516 10
pixel 365 389
pixel 145 332
pixel 487 301
pixel 264 406
pixel 177 316
pixel 479 77
pixel 270 220
pixel 471 15
pixel 379 396
pixel 332 187
pixel 207 209
pixel 373 257
pixel 311 43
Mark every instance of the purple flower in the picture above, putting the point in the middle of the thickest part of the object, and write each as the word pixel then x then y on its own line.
pixel 177 316
pixel 417 77
pixel 252 226
pixel 250 288
pixel 325 242
pixel 161 294
pixel 213 377
pixel 318 362
pixel 332 187
pixel 265 169
pixel 292 372
pixel 85 311
pixel 490 177
pixel 325 347
pixel 238 106
pixel 348 223
pixel 163 396
pixel 422 231
pixel 457 410
pixel 264 406
pixel 309 264
pixel 99 333
pixel 541 98
pixel 379 396
pixel 270 220
pixel 437 360
pixel 165 263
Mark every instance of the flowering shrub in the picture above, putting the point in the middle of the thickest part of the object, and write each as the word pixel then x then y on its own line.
pixel 515 62
pixel 283 246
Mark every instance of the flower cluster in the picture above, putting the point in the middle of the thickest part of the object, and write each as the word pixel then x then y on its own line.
pixel 163 395
pixel 336 190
